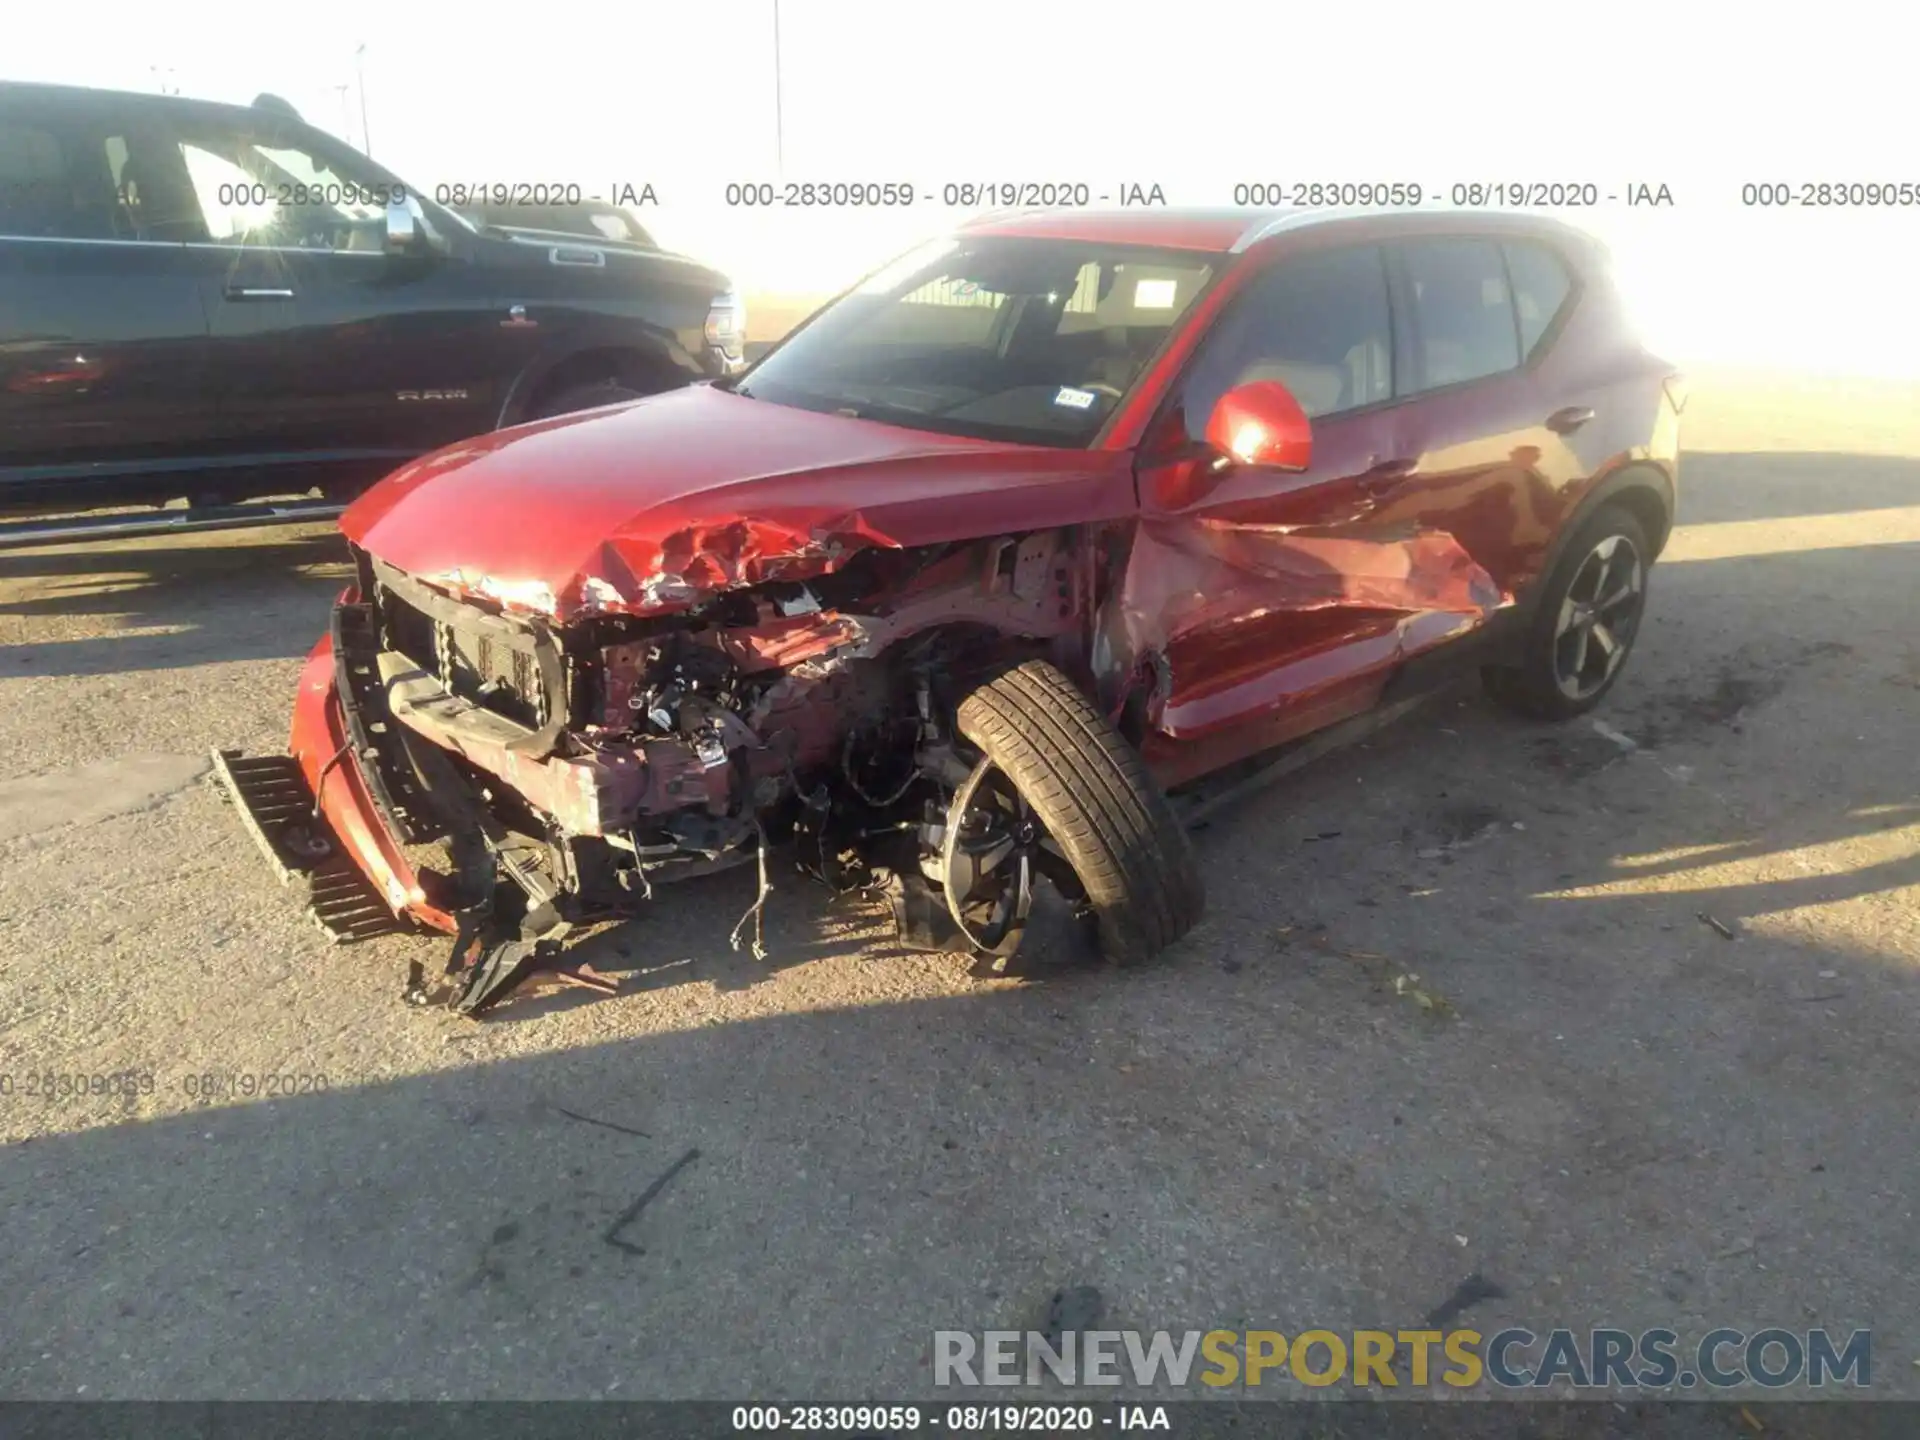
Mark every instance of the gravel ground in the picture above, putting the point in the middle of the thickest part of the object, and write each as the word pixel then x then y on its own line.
pixel 1588 1106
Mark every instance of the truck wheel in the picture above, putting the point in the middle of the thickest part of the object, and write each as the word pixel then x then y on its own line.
pixel 585 397
pixel 1588 614
pixel 1087 798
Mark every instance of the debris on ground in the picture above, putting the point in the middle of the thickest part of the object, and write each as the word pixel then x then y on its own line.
pixel 1379 969
pixel 1468 1293
pixel 604 1124
pixel 1409 986
pixel 1607 732
pixel 1075 1309
pixel 645 1198
pixel 1719 927
pixel 1484 833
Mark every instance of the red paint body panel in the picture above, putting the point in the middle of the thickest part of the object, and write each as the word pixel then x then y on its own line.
pixel 646 507
pixel 1265 602
pixel 319 734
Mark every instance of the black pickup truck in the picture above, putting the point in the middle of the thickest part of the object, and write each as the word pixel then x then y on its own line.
pixel 221 304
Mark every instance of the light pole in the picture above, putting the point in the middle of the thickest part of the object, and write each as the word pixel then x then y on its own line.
pixel 360 72
pixel 779 112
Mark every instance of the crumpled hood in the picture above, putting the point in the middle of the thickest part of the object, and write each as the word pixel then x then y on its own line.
pixel 648 507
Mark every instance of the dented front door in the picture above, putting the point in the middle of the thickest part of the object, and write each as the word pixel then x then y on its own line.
pixel 1273 603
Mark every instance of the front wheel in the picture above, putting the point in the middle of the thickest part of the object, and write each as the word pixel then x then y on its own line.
pixel 1059 784
pixel 1585 623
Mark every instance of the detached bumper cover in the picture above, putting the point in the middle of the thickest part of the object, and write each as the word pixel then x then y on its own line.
pixel 321 735
pixel 275 805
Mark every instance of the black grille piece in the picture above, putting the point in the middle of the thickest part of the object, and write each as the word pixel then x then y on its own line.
pixel 276 808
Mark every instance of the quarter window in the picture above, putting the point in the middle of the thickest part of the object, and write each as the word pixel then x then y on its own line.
pixel 61 181
pixel 36 197
pixel 1540 288
pixel 1317 323
pixel 1462 312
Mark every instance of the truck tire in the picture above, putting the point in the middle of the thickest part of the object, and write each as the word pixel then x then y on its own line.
pixel 1091 792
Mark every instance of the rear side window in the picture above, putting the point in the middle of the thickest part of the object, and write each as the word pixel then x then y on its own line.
pixel 1540 287
pixel 58 178
pixel 1462 312
pixel 36 197
pixel 1317 323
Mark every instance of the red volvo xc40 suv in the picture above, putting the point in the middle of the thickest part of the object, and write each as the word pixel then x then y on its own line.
pixel 967 583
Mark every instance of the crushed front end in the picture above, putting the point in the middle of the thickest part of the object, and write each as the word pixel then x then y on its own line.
pixel 506 779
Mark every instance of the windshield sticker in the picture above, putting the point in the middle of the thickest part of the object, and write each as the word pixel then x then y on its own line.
pixel 1075 399
pixel 1154 294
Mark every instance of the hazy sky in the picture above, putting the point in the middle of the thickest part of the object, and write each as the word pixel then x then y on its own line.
pixel 1194 96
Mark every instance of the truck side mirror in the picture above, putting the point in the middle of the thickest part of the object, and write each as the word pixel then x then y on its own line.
pixel 404 226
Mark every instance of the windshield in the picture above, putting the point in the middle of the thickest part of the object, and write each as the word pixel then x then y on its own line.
pixel 1002 338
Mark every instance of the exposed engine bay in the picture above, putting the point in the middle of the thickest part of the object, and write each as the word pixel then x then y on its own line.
pixel 544 777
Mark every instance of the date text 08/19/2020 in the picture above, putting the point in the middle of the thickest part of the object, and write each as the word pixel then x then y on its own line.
pixel 57 1087
pixel 962 1419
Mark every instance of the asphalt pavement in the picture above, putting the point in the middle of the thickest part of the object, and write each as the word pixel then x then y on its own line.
pixel 1585 1025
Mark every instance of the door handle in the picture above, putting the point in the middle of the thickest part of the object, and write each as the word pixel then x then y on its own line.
pixel 1565 422
pixel 260 292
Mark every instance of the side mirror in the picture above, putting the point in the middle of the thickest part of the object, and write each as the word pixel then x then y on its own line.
pixel 1260 423
pixel 404 226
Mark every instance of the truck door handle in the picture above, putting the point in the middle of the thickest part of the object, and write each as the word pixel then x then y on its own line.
pixel 1565 422
pixel 258 292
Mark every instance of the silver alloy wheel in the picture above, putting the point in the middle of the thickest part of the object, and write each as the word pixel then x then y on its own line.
pixel 992 840
pixel 1598 617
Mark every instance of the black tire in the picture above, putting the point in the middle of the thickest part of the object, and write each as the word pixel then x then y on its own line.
pixel 583 397
pixel 1537 686
pixel 1093 794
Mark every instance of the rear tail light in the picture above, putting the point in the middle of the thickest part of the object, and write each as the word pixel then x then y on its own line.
pixel 727 326
pixel 1677 391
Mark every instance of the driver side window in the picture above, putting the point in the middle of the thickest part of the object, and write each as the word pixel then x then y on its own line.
pixel 1317 323
pixel 257 189
pixel 226 195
